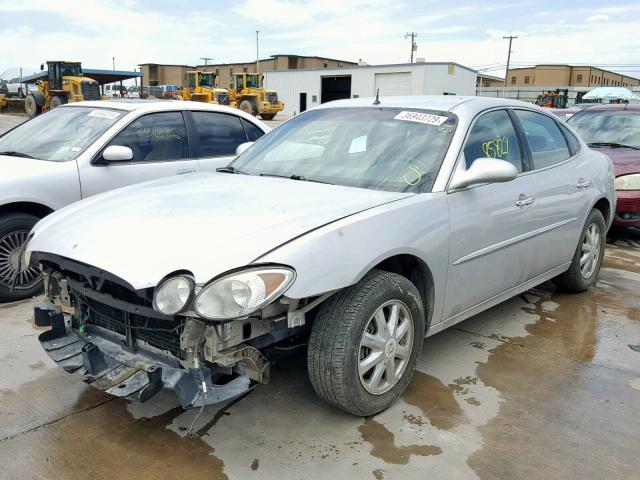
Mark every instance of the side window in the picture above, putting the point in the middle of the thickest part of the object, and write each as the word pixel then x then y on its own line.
pixel 219 133
pixel 253 132
pixel 574 143
pixel 493 136
pixel 155 137
pixel 546 141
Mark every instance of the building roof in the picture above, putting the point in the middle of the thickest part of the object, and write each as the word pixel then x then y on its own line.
pixel 562 65
pixel 282 55
pixel 342 69
pixel 101 76
pixel 165 65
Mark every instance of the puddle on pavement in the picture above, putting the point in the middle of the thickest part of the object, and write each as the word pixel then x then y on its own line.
pixel 105 442
pixel 383 444
pixel 435 400
pixel 563 416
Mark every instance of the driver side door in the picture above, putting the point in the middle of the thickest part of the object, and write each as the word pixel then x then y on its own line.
pixel 160 146
pixel 492 226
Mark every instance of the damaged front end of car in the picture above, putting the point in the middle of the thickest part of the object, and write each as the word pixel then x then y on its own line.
pixel 196 340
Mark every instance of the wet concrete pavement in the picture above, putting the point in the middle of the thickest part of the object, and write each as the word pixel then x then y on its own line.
pixel 543 386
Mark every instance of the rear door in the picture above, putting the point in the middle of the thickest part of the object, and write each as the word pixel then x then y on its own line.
pixel 160 146
pixel 492 226
pixel 217 135
pixel 560 170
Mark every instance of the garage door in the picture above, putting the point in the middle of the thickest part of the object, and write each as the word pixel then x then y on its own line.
pixel 391 84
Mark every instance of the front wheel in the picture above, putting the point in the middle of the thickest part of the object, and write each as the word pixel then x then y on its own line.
pixel 267 116
pixel 17 280
pixel 249 107
pixel 365 342
pixel 31 106
pixel 587 258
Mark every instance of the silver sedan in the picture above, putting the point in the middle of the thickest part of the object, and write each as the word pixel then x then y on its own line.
pixel 358 227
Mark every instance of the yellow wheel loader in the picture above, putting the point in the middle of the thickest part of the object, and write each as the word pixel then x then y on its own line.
pixel 202 88
pixel 250 97
pixel 63 83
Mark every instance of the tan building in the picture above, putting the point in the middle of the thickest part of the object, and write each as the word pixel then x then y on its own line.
pixel 568 76
pixel 158 74
pixel 484 80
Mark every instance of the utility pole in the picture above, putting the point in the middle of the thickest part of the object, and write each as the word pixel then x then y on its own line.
pixel 414 47
pixel 113 61
pixel 258 53
pixel 206 61
pixel 506 75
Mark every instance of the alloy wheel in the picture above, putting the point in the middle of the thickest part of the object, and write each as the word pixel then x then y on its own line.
pixel 591 249
pixel 385 347
pixel 12 271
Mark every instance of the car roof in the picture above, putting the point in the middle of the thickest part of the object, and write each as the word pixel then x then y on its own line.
pixel 145 105
pixel 632 107
pixel 430 102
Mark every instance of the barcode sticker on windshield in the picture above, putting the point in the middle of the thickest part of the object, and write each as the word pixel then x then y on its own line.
pixel 110 114
pixel 427 118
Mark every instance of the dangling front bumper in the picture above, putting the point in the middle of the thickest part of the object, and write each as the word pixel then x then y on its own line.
pixel 101 360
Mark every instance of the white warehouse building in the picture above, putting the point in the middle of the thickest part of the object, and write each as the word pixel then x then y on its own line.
pixel 306 88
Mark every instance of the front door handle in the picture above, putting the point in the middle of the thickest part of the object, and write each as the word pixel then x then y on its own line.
pixel 582 183
pixel 185 171
pixel 524 201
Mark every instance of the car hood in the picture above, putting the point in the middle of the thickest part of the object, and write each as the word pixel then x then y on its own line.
pixel 204 223
pixel 625 160
pixel 19 168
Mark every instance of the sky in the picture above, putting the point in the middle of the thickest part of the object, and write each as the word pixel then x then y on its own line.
pixel 604 33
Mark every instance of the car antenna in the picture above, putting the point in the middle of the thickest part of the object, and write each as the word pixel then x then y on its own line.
pixel 377 100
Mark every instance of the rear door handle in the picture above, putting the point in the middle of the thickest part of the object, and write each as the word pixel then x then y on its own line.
pixel 185 171
pixel 582 183
pixel 524 201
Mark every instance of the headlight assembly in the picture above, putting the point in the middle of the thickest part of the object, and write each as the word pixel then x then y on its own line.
pixel 173 295
pixel 628 182
pixel 242 293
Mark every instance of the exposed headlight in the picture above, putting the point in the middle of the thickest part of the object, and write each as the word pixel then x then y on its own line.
pixel 628 182
pixel 173 295
pixel 242 293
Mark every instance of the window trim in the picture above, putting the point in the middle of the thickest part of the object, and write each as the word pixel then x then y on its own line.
pixel 563 162
pixel 98 161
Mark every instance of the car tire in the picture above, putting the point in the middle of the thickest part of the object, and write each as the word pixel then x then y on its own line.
pixel 587 258
pixel 249 107
pixel 14 229
pixel 267 116
pixel 338 349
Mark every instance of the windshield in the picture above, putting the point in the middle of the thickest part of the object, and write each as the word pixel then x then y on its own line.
pixel 70 70
pixel 608 126
pixel 377 148
pixel 59 135
pixel 206 80
pixel 252 81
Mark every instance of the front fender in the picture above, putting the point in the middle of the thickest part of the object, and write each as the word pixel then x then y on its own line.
pixel 341 253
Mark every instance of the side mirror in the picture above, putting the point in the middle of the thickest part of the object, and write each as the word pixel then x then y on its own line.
pixel 484 170
pixel 243 147
pixel 42 66
pixel 117 153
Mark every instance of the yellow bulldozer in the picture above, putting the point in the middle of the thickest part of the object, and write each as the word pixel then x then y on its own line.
pixel 63 83
pixel 202 88
pixel 250 97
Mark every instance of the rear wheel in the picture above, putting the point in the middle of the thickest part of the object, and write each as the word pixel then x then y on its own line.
pixel 267 116
pixel 365 342
pixel 31 106
pixel 249 107
pixel 17 281
pixel 587 258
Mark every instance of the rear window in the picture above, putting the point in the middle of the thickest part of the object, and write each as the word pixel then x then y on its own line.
pixel 546 141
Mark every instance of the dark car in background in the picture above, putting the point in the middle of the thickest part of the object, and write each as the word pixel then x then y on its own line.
pixel 614 129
